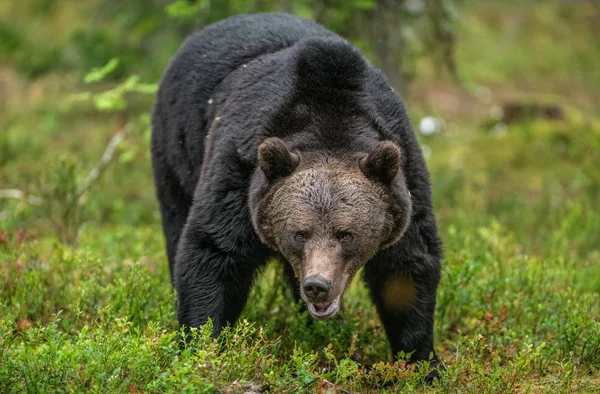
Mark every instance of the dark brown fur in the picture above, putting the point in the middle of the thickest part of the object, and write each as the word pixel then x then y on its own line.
pixel 273 136
pixel 344 216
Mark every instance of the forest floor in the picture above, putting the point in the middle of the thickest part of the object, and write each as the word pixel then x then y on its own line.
pixel 517 202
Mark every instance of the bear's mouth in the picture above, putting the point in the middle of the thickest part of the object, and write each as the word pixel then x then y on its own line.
pixel 323 311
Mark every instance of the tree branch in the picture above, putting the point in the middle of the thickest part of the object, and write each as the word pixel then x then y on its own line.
pixel 105 160
pixel 107 157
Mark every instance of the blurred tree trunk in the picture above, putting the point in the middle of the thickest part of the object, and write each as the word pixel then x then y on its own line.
pixel 219 9
pixel 259 6
pixel 287 6
pixel 388 42
pixel 319 9
pixel 443 37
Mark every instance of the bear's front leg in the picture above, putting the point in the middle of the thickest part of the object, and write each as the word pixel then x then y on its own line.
pixel 210 282
pixel 403 284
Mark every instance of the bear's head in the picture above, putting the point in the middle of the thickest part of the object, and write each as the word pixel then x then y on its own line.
pixel 329 214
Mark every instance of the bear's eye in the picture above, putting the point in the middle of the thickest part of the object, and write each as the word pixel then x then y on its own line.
pixel 345 236
pixel 301 236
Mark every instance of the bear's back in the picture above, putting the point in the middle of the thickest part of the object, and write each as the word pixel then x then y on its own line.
pixel 206 58
pixel 198 68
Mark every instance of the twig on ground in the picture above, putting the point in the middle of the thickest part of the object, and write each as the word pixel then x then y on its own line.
pixel 20 195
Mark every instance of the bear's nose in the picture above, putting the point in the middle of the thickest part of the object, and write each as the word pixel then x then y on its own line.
pixel 316 288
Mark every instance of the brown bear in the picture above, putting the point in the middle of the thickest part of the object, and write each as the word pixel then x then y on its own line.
pixel 274 137
pixel 329 214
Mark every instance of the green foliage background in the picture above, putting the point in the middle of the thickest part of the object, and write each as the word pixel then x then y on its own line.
pixel 85 299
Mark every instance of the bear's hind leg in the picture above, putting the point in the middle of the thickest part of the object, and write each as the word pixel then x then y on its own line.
pixel 174 205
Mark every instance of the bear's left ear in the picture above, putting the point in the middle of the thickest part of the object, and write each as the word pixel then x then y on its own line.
pixel 383 163
pixel 276 160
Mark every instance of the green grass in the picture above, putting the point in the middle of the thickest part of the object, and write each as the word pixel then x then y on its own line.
pixel 519 303
pixel 99 317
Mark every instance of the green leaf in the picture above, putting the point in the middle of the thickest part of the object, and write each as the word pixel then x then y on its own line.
pixel 127 155
pixel 109 101
pixel 364 4
pixel 183 9
pixel 145 88
pixel 98 74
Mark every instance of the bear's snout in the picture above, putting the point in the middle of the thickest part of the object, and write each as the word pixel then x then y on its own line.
pixel 316 288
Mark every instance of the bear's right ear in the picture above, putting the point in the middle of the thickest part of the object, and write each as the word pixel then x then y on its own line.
pixel 276 160
pixel 383 163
